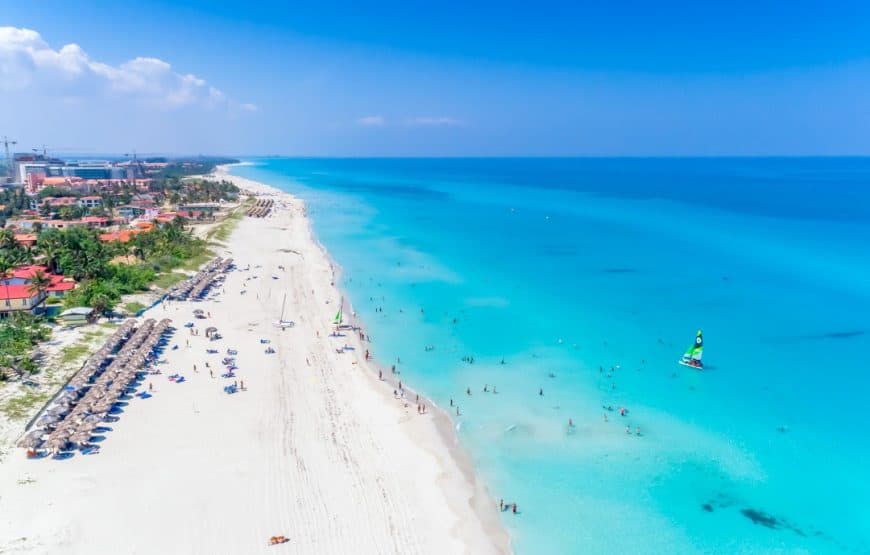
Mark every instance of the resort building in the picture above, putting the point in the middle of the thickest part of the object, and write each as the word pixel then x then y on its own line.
pixel 17 292
pixel 92 201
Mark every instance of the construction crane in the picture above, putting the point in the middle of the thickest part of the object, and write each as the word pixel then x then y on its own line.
pixel 44 151
pixel 6 142
pixel 139 170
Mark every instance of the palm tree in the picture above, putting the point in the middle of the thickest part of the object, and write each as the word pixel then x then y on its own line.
pixel 39 283
pixel 50 245
pixel 5 266
pixel 7 239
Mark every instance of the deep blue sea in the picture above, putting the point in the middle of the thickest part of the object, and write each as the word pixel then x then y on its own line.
pixel 585 280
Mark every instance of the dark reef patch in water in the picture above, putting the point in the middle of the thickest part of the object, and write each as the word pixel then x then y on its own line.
pixel 847 334
pixel 707 507
pixel 759 517
pixel 843 334
pixel 769 521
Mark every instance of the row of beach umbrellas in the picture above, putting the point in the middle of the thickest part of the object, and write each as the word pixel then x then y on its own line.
pixel 261 209
pixel 196 285
pixel 77 411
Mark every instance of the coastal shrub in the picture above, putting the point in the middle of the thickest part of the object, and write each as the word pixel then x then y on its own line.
pixel 18 335
pixel 130 279
pixel 133 307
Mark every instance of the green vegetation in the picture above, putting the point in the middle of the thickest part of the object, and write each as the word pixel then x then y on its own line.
pixel 20 407
pixel 195 262
pixel 167 280
pixel 223 230
pixel 77 252
pixel 72 353
pixel 134 307
pixel 18 334
pixel 199 166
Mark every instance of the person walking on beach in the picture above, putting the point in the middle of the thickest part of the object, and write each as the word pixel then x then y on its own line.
pixel 501 505
pixel 380 375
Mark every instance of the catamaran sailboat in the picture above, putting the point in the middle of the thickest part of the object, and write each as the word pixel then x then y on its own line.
pixel 282 323
pixel 692 356
pixel 339 317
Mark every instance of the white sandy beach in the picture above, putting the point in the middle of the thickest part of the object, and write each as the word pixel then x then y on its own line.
pixel 316 449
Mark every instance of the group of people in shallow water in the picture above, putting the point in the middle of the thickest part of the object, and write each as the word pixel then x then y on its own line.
pixel 399 393
pixel 502 506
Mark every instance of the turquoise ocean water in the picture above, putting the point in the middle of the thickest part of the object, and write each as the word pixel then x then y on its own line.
pixel 589 278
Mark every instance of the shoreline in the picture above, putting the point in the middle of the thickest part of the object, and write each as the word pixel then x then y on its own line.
pixel 294 441
pixel 481 501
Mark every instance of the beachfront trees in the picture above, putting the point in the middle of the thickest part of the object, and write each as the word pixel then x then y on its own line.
pixel 49 244
pixel 5 266
pixel 39 283
pixel 82 255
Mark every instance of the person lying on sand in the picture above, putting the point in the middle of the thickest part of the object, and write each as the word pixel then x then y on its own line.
pixel 276 540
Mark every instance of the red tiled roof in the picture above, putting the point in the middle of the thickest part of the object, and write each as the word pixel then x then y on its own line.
pixel 61 286
pixel 13 292
pixel 122 236
pixel 27 272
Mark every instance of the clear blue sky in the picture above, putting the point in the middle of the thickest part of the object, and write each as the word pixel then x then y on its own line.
pixel 438 78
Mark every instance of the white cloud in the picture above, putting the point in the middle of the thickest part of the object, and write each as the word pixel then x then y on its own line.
pixel 372 121
pixel 26 60
pixel 435 121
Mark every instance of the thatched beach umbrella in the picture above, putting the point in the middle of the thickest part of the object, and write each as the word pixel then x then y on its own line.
pixel 58 411
pixel 80 437
pixel 32 439
pixel 91 419
pixel 56 443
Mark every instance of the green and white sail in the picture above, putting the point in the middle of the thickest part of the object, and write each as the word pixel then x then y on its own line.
pixel 695 351
pixel 338 315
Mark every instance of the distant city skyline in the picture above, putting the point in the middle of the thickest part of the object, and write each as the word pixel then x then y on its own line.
pixel 408 79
